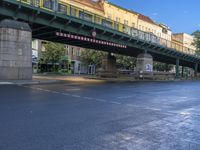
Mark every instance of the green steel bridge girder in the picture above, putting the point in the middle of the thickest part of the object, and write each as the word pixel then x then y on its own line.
pixel 64 23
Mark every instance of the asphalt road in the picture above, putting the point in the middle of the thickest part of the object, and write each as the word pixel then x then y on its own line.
pixel 107 116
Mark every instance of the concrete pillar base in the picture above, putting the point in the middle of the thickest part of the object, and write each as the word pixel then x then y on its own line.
pixel 108 66
pixel 15 50
pixel 144 66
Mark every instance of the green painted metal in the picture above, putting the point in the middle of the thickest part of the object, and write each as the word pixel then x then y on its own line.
pixel 196 69
pixel 177 68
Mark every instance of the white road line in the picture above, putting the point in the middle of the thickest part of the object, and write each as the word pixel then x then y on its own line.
pixel 38 89
pixel 124 97
pixel 73 89
pixel 95 99
pixel 131 105
pixel 65 94
pixel 5 83
pixel 55 92
pixel 76 96
pixel 113 102
pixel 88 98
pixel 100 100
pixel 45 90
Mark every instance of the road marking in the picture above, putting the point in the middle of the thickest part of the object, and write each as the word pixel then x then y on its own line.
pixel 100 100
pixel 65 94
pixel 114 102
pixel 96 99
pixel 131 105
pixel 5 83
pixel 76 96
pixel 75 89
pixel 55 92
pixel 124 97
pixel 45 90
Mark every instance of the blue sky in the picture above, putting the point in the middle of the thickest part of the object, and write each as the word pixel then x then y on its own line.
pixel 179 15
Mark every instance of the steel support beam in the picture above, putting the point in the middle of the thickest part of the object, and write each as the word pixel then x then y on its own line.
pixel 195 70
pixel 177 68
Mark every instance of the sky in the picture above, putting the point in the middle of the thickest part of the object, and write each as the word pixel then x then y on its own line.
pixel 180 15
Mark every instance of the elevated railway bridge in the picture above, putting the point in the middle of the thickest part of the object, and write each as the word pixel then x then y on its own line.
pixel 52 20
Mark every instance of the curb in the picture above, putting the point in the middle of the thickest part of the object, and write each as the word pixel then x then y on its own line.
pixel 29 82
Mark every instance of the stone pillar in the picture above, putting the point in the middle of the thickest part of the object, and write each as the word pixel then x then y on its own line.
pixel 109 68
pixel 15 50
pixel 144 63
pixel 177 68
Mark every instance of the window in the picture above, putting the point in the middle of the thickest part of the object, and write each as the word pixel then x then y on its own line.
pixel 85 16
pixel 49 4
pixel 98 20
pixel 107 23
pixel 125 22
pixel 164 30
pixel 62 8
pixel 109 16
pixel 78 52
pixel 73 12
pixel 133 25
pixel 72 51
pixel 117 19
pixel 116 26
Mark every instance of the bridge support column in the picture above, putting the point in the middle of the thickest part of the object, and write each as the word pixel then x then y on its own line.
pixel 144 63
pixel 144 66
pixel 195 70
pixel 109 66
pixel 177 68
pixel 15 50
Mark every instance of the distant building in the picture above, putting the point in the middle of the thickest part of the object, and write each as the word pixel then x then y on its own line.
pixel 73 54
pixel 146 24
pixel 78 67
pixel 37 48
pixel 129 18
pixel 184 42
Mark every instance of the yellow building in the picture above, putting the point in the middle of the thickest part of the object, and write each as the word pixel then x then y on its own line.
pixel 184 42
pixel 121 15
pixel 146 24
pixel 92 6
pixel 131 20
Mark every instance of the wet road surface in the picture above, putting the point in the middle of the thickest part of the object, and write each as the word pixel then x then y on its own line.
pixel 109 116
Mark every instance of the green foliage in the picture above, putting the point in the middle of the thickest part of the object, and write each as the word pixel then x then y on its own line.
pixel 54 53
pixel 95 57
pixel 162 66
pixel 92 57
pixel 196 43
pixel 126 62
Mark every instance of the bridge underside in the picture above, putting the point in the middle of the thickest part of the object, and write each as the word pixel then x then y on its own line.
pixel 45 24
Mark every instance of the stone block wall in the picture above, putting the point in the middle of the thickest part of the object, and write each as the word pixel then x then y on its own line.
pixel 15 51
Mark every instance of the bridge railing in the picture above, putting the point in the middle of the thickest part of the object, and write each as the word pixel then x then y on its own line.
pixel 70 10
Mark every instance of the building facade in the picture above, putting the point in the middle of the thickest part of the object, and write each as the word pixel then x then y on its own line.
pixel 184 42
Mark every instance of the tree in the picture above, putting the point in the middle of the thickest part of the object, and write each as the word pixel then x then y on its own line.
pixel 196 43
pixel 92 57
pixel 162 66
pixel 95 57
pixel 126 62
pixel 54 53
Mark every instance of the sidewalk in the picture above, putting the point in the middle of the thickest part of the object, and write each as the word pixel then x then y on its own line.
pixel 28 82
pixel 48 79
